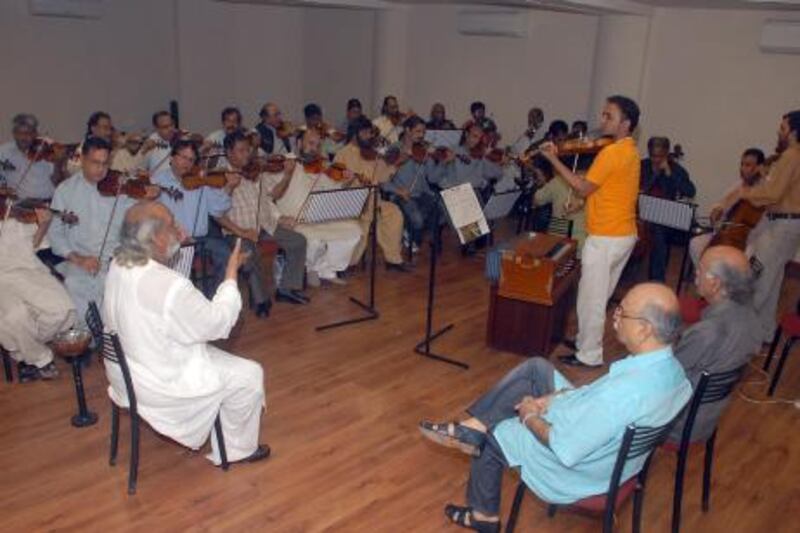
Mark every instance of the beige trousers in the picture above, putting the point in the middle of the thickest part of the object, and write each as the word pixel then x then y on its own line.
pixel 389 232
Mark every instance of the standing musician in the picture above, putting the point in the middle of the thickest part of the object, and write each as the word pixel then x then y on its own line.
pixel 330 245
pixel 750 174
pixel 360 157
pixel 611 189
pixel 98 125
pixel 439 120
pixel 88 245
pixel 231 119
pixel 777 243
pixel 579 129
pixel 409 187
pixel 157 148
pixel 389 123
pixel 664 177
pixel 528 137
pixel 198 204
pixel 34 306
pixel 271 122
pixel 27 177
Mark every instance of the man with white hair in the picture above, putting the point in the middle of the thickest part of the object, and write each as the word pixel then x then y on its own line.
pixel 165 326
pixel 26 177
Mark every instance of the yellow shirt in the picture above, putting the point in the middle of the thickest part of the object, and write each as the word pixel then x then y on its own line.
pixel 611 209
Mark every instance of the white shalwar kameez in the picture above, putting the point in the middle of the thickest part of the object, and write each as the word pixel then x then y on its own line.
pixel 181 381
pixel 329 245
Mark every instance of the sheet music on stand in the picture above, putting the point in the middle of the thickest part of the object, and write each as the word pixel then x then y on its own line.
pixel 182 262
pixel 336 204
pixel 447 138
pixel 674 214
pixel 465 212
pixel 501 204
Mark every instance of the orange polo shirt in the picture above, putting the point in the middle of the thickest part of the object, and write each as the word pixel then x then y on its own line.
pixel 611 209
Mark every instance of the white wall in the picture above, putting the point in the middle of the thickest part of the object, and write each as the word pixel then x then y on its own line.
pixel 708 86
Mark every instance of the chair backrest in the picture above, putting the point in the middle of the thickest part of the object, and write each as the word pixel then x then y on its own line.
pixel 112 351
pixel 183 260
pixel 560 226
pixel 95 323
pixel 711 388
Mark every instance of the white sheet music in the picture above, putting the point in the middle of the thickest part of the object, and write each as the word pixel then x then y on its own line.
pixel 465 212
pixel 182 262
pixel 339 204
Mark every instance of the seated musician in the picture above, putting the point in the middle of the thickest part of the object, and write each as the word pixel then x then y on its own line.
pixel 410 186
pixel 330 245
pixel 528 137
pixel 98 125
pixel 34 306
pixel 389 123
pixel 491 134
pixel 231 121
pixel 563 200
pixel 88 245
pixel 438 119
pixel 128 157
pixel 750 173
pixel 242 220
pixel 352 112
pixel 468 165
pixel 27 178
pixel 269 130
pixel 565 439
pixel 360 157
pixel 663 177
pixel 723 339
pixel 579 129
pixel 194 209
pixel 165 327
pixel 157 148
pixel 331 139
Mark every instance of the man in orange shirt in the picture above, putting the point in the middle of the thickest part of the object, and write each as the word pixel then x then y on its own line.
pixel 611 189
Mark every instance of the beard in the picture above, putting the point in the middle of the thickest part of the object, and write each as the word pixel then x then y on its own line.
pixel 364 143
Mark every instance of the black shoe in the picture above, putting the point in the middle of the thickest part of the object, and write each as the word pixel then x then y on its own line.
pixel 262 309
pixel 301 296
pixel 262 452
pixel 398 267
pixel 572 360
pixel 27 373
pixel 288 297
pixel 569 343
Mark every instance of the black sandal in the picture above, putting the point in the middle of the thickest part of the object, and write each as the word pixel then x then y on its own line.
pixel 454 435
pixel 464 517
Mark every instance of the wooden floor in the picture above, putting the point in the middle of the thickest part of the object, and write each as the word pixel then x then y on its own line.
pixel 343 410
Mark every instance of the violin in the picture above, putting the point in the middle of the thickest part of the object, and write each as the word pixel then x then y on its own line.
pixel 116 183
pixel 26 212
pixel 335 171
pixel 286 129
pixel 212 178
pixel 273 163
pixel 51 152
pixel 325 130
pixel 584 146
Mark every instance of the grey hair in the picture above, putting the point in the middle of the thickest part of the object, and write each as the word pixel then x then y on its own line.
pixel 136 241
pixel 666 322
pixel 738 285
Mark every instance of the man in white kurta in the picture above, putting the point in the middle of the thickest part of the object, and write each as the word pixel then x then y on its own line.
pixel 329 245
pixel 165 326
pixel 34 306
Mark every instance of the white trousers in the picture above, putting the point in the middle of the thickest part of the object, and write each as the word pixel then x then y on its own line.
pixel 602 262
pixel 34 307
pixel 330 246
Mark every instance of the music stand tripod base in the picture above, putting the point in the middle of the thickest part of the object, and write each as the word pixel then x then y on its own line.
pixel 84 417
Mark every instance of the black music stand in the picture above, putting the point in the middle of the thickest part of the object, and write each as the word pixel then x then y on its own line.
pixel 336 205
pixel 498 206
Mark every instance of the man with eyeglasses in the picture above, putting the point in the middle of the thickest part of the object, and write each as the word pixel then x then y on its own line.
pixel 563 438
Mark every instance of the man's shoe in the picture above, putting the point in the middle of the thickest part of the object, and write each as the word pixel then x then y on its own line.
pixel 398 267
pixel 48 372
pixel 263 309
pixel 262 452
pixel 302 296
pixel 572 360
pixel 27 373
pixel 569 343
pixel 288 297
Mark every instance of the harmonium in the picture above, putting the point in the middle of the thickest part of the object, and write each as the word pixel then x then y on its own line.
pixel 534 282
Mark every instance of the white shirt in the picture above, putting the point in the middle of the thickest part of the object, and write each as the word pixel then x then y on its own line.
pixel 37 183
pixel 159 157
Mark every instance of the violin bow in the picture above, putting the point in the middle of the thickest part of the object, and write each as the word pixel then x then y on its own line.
pixel 108 227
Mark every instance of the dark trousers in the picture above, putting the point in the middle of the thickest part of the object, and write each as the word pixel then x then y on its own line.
pixel 534 377
pixel 253 270
pixel 659 254
pixel 219 251
pixel 417 213
pixel 293 245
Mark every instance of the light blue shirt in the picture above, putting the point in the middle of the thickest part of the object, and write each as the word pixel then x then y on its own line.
pixel 477 172
pixel 193 210
pixel 37 183
pixel 587 424
pixel 414 177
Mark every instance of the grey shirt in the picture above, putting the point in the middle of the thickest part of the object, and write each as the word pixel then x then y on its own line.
pixel 725 338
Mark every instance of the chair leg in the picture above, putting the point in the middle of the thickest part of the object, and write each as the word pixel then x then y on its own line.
pixel 709 458
pixel 223 453
pixel 7 366
pixel 772 347
pixel 112 459
pixel 775 378
pixel 133 474
pixel 551 510
pixel 512 516
pixel 677 497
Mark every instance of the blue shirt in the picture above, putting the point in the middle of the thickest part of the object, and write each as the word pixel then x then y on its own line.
pixel 587 424
pixel 193 210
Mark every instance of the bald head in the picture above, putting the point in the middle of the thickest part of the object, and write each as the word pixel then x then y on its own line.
pixel 648 318
pixel 146 210
pixel 148 232
pixel 724 273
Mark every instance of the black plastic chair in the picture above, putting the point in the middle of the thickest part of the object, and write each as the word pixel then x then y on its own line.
pixel 112 352
pixel 711 388
pixel 636 441
pixel 7 366
pixel 560 226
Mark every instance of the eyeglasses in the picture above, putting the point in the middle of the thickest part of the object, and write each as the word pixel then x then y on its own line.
pixel 619 312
